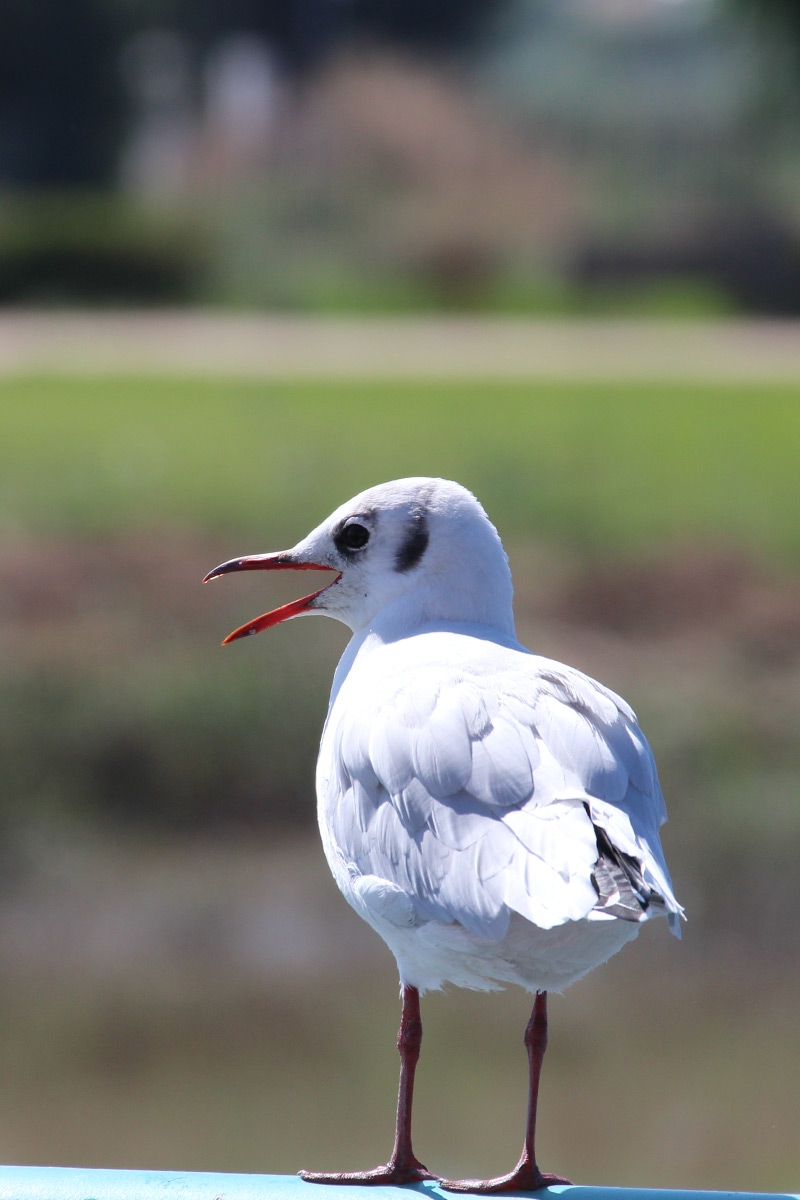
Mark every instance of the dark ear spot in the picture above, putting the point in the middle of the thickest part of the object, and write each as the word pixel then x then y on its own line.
pixel 414 544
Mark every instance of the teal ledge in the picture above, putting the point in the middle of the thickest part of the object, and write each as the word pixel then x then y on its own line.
pixel 83 1183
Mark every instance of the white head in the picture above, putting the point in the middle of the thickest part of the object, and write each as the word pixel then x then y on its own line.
pixel 407 553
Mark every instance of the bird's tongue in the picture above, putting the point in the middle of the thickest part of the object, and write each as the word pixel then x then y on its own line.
pixel 268 562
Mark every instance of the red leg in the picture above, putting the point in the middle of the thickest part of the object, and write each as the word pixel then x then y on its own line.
pixel 526 1176
pixel 403 1166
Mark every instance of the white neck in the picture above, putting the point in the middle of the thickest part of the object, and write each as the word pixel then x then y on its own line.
pixel 485 614
pixel 421 607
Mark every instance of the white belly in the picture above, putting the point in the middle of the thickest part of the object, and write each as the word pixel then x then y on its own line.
pixel 431 955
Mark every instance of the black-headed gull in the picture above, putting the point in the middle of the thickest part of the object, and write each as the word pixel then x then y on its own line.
pixel 492 814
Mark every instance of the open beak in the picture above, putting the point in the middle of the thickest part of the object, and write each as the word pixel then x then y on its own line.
pixel 271 562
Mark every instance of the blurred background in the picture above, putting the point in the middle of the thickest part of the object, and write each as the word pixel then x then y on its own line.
pixel 181 986
pixel 531 156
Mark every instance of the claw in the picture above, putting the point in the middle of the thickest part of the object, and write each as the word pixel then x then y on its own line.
pixel 389 1173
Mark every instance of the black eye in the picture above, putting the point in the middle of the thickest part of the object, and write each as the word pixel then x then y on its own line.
pixel 352 537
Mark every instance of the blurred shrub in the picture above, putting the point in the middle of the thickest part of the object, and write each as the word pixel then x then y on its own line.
pixel 171 743
pixel 85 247
pixel 747 262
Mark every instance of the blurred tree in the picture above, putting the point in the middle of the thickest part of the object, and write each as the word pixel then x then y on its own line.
pixel 781 20
pixel 60 102
pixel 306 31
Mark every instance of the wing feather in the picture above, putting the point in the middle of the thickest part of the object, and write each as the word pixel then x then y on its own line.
pixel 352 745
pixel 561 834
pixel 476 897
pixel 442 757
pixel 459 822
pixel 414 805
pixel 390 752
pixel 579 746
pixel 502 764
pixel 415 701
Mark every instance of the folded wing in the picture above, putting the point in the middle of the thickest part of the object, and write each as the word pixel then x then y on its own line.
pixel 537 795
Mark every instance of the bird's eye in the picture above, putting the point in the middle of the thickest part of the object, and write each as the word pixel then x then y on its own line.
pixel 352 537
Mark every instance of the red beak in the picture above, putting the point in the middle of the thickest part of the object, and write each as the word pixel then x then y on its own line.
pixel 269 562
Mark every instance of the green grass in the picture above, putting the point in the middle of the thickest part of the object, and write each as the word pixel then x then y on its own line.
pixel 593 465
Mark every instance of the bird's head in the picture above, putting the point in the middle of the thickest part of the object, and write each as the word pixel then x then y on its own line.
pixel 406 552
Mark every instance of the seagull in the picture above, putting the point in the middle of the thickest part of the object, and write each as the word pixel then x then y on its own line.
pixel 492 814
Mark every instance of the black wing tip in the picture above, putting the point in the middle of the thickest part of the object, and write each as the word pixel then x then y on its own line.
pixel 617 878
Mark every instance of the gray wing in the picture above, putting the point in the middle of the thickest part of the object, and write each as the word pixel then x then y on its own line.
pixel 463 797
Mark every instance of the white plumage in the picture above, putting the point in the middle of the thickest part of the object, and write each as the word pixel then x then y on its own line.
pixel 492 814
pixel 460 782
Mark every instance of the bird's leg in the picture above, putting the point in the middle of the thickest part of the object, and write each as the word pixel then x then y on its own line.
pixel 526 1176
pixel 403 1166
pixel 409 1041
